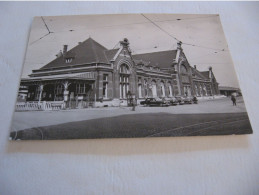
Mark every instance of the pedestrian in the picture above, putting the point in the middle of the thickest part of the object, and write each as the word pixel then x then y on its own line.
pixel 233 98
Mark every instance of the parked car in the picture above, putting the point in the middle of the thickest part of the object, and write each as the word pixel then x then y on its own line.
pixel 154 102
pixel 166 100
pixel 180 100
pixel 187 100
pixel 172 100
pixel 195 100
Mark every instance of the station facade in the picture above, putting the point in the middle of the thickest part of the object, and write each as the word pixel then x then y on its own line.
pixel 89 72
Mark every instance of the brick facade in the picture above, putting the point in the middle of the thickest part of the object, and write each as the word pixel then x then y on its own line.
pixel 117 71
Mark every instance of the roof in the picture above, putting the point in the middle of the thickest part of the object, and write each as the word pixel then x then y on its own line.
pixel 162 59
pixel 206 74
pixel 111 53
pixel 199 75
pixel 226 88
pixel 81 76
pixel 86 52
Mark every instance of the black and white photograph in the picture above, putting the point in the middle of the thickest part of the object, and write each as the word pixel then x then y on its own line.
pixel 128 76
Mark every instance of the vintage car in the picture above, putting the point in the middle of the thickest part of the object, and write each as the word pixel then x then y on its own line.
pixel 172 100
pixel 154 102
pixel 195 100
pixel 180 100
pixel 187 100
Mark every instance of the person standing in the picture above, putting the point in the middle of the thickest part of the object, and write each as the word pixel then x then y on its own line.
pixel 233 98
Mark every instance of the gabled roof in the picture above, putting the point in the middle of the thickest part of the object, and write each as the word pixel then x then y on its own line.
pixel 205 74
pixel 199 75
pixel 162 59
pixel 111 53
pixel 88 51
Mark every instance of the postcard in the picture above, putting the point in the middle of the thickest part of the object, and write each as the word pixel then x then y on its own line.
pixel 128 75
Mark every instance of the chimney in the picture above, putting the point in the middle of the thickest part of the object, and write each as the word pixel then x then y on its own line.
pixel 64 50
pixel 195 67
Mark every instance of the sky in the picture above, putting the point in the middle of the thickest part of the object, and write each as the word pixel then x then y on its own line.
pixel 146 33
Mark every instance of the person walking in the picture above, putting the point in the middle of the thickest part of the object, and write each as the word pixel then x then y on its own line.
pixel 233 98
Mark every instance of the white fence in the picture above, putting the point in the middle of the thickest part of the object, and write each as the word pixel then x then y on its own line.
pixel 33 106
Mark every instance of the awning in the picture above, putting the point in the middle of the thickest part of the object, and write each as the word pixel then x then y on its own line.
pixel 77 76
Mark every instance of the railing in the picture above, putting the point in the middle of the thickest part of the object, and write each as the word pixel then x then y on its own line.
pixel 34 106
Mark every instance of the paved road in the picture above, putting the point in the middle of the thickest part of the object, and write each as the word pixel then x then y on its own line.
pixel 142 125
pixel 26 120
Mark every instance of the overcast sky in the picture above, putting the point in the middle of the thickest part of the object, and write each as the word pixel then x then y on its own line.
pixel 144 36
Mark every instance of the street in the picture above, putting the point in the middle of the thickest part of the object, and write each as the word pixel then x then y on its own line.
pixel 208 117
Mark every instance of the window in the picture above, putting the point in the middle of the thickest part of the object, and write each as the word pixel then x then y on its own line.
pixel 201 93
pixel 154 89
pixel 37 93
pixel 124 86
pixel 105 86
pixel 124 81
pixel 81 88
pixel 139 88
pixel 170 89
pixel 162 87
pixel 196 90
pixel 183 69
pixel 105 77
pixel 145 88
pixel 205 89
pixel 124 69
pixel 59 90
pixel 68 60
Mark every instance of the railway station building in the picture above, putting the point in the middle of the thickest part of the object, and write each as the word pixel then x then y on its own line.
pixel 89 73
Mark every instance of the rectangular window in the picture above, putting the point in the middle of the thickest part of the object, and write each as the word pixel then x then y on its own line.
pixel 105 77
pixel 80 88
pixel 105 90
pixel 105 86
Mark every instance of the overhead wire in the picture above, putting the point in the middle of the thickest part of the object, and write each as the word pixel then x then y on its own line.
pixel 160 28
pixel 49 32
pixel 149 21
pixel 194 45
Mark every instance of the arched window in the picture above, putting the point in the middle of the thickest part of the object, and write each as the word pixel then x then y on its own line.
pixel 184 69
pixel 154 91
pixel 139 88
pixel 124 69
pixel 162 85
pixel 196 90
pixel 205 90
pixel 145 88
pixel 124 81
pixel 201 93
pixel 170 89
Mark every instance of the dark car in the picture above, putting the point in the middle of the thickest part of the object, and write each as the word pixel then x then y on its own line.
pixel 154 102
pixel 195 100
pixel 172 100
pixel 180 100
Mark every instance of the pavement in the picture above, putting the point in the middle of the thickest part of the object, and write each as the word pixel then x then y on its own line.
pixel 31 119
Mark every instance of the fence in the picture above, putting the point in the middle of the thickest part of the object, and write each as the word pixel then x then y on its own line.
pixel 34 106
